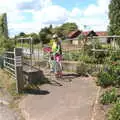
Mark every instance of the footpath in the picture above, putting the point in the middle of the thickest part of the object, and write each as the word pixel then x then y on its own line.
pixel 72 98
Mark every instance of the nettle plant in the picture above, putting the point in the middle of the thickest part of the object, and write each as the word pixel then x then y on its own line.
pixel 108 97
pixel 114 113
pixel 110 75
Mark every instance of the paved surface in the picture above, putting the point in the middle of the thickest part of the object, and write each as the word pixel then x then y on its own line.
pixel 61 100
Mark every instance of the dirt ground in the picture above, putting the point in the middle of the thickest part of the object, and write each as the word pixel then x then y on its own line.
pixel 8 105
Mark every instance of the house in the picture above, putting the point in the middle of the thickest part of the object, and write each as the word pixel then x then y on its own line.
pixel 102 35
pixel 74 34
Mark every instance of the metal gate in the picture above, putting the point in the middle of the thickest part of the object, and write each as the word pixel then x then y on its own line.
pixel 13 65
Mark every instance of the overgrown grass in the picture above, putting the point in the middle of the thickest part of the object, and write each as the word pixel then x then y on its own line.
pixel 8 83
pixel 26 45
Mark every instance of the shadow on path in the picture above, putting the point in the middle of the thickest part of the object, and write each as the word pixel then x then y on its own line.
pixel 35 90
pixel 55 83
pixel 68 77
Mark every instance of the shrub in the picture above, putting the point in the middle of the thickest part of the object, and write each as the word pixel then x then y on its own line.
pixel 82 69
pixel 87 49
pixel 105 79
pixel 115 56
pixel 6 44
pixel 108 97
pixel 114 70
pixel 100 56
pixel 87 59
pixel 72 56
pixel 114 113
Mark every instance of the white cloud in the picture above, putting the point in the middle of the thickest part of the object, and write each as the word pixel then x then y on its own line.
pixel 101 8
pixel 51 15
pixel 76 12
pixel 45 3
pixel 44 12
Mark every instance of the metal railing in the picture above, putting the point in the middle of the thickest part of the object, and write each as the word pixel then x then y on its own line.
pixel 13 64
pixel 9 63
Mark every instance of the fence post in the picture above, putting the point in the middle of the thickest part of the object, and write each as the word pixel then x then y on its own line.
pixel 18 69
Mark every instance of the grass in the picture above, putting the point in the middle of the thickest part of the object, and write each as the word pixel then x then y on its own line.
pixel 8 88
pixel 8 84
pixel 26 45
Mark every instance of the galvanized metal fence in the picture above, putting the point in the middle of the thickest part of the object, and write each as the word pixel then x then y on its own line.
pixel 13 65
pixel 9 63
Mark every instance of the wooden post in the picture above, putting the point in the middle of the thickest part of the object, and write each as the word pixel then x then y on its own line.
pixel 18 69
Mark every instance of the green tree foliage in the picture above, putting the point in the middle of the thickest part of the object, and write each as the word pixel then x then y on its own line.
pixel 3 25
pixel 59 32
pixel 22 34
pixel 46 34
pixel 114 16
pixel 65 29
pixel 6 44
pixel 68 27
pixel 35 37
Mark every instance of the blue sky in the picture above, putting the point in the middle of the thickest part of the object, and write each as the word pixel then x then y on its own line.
pixel 74 3
pixel 32 15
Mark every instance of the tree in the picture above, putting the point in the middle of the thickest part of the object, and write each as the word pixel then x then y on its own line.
pixel 114 16
pixel 59 32
pixel 3 25
pixel 35 37
pixel 68 27
pixel 6 44
pixel 45 34
pixel 63 30
pixel 22 34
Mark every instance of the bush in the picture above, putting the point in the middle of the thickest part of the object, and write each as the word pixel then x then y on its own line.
pixel 114 113
pixel 6 44
pixel 82 69
pixel 105 79
pixel 114 70
pixel 72 56
pixel 108 97
pixel 100 56
pixel 87 59
pixel 115 56
pixel 87 49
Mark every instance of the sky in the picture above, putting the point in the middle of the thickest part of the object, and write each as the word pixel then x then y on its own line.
pixel 32 15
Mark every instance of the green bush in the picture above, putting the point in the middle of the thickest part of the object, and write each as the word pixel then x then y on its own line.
pixel 82 69
pixel 87 49
pixel 114 70
pixel 87 59
pixel 108 97
pixel 114 113
pixel 115 56
pixel 105 79
pixel 100 56
pixel 6 45
pixel 72 56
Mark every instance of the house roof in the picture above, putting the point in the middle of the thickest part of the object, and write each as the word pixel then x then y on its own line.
pixel 102 33
pixel 99 33
pixel 85 33
pixel 74 34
